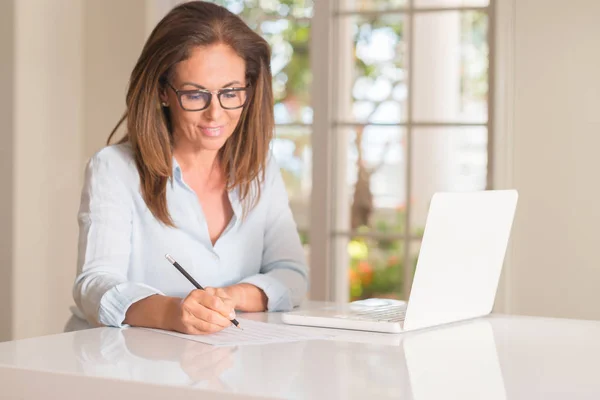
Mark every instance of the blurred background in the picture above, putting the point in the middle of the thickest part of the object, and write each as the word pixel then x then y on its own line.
pixel 379 104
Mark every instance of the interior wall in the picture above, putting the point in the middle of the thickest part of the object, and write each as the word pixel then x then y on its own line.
pixel 65 69
pixel 47 153
pixel 115 32
pixel 554 269
pixel 6 165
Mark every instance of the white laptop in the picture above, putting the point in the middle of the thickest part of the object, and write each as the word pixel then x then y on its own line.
pixel 457 273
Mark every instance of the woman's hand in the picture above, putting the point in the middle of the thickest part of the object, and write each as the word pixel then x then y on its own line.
pixel 202 312
pixel 247 297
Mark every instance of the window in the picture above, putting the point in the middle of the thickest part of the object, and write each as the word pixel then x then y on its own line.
pixel 411 113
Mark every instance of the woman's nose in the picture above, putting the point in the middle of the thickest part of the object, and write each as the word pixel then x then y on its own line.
pixel 214 109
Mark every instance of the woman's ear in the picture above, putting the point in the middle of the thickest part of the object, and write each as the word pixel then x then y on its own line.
pixel 164 98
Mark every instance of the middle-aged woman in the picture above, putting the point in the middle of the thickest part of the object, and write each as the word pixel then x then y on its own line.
pixel 193 178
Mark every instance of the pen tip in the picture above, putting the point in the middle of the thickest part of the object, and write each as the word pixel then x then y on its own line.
pixel 168 257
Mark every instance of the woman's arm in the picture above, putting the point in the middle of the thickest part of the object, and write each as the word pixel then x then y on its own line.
pixel 151 312
pixel 102 290
pixel 247 297
pixel 202 311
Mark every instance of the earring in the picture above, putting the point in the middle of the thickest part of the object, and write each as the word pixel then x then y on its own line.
pixel 164 104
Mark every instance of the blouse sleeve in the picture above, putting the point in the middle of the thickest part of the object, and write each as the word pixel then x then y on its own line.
pixel 102 290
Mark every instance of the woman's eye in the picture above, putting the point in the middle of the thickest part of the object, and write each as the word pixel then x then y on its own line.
pixel 193 96
pixel 230 95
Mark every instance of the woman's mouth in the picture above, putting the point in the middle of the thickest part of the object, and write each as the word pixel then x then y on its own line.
pixel 212 131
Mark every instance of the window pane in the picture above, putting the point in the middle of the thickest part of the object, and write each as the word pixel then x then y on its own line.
pixel 451 67
pixel 376 268
pixel 253 11
pixel 445 159
pixel 290 66
pixel 451 3
pixel 371 5
pixel 293 152
pixel 375 84
pixel 375 179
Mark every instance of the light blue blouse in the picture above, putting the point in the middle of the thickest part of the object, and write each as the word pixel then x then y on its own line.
pixel 122 246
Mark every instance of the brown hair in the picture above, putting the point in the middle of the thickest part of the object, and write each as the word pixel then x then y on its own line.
pixel 149 132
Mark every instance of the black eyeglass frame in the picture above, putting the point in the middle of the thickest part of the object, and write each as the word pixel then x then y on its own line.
pixel 180 93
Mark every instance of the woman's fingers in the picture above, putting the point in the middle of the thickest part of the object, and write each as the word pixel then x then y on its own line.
pixel 205 311
pixel 205 316
pixel 216 299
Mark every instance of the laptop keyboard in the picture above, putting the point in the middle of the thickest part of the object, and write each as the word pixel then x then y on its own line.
pixel 393 313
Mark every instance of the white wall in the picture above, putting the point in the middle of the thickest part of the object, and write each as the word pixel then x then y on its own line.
pixel 63 76
pixel 555 261
pixel 115 31
pixel 47 152
pixel 7 49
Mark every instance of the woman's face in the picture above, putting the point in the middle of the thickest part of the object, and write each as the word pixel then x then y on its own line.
pixel 211 68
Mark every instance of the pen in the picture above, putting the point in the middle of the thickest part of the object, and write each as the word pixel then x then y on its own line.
pixel 193 281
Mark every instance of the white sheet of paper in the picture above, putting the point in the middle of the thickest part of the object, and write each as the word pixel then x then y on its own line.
pixel 254 332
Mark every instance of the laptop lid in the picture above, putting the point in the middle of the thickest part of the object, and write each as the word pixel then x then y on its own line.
pixel 461 257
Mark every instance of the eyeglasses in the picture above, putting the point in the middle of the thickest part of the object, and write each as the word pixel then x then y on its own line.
pixel 199 99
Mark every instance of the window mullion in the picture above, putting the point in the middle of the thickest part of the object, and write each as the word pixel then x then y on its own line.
pixel 322 276
pixel 407 273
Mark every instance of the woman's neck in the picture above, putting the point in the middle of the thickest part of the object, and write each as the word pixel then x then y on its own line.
pixel 200 162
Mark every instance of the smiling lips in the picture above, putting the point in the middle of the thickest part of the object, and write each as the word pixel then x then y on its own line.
pixel 212 131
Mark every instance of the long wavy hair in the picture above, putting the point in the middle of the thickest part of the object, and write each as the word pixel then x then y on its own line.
pixel 149 129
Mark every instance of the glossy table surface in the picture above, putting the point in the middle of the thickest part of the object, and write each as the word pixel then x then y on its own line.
pixel 497 357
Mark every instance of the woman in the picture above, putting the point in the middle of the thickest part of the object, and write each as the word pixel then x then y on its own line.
pixel 191 178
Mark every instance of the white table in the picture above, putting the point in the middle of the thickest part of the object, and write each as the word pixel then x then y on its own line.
pixel 497 357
